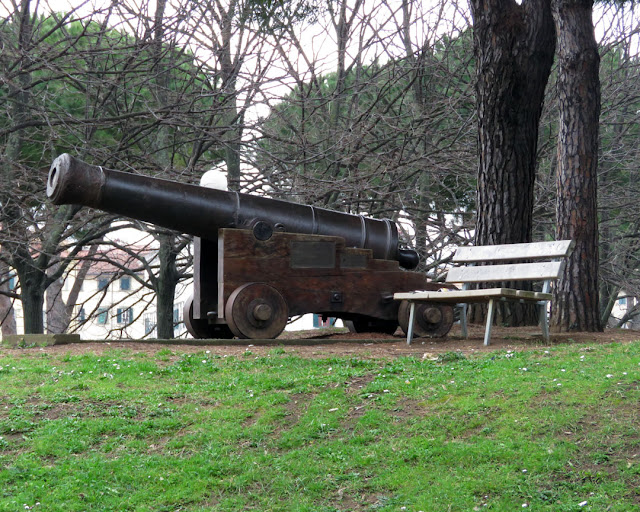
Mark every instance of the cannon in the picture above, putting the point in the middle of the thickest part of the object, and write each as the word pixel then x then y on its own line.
pixel 260 261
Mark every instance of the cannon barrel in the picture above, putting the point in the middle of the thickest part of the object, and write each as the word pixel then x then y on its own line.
pixel 201 211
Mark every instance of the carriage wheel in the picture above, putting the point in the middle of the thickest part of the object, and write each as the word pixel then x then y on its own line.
pixel 256 311
pixel 201 328
pixel 432 320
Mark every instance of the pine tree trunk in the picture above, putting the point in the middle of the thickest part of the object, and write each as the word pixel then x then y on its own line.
pixel 514 48
pixel 576 301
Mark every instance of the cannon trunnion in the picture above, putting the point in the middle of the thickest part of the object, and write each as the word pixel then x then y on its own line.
pixel 259 262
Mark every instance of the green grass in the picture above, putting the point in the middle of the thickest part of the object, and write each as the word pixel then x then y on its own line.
pixel 554 430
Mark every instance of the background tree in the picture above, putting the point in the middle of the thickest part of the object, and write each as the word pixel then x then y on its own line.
pixel 79 85
pixel 33 48
pixel 390 137
pixel 618 156
pixel 576 299
pixel 161 33
pixel 233 38
pixel 514 46
pixel 7 313
pixel 36 51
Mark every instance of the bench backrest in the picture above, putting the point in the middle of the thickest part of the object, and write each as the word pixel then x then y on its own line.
pixel 537 271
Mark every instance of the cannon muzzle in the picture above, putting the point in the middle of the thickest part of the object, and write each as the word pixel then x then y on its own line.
pixel 201 211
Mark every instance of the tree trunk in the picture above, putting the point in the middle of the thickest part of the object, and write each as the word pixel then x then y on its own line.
pixel 7 316
pixel 229 69
pixel 7 311
pixel 58 318
pixel 576 302
pixel 514 48
pixel 12 220
pixel 32 306
pixel 166 286
pixel 607 289
pixel 165 282
pixel 59 312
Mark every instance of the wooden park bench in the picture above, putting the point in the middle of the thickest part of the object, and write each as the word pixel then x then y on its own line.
pixel 543 261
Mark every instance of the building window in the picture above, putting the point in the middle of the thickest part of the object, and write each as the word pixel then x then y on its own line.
pixel 177 318
pixel 81 317
pixel 622 301
pixel 149 323
pixel 125 283
pixel 103 283
pixel 124 316
pixel 12 283
pixel 103 314
pixel 319 321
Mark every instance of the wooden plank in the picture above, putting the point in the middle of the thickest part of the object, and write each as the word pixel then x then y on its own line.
pixel 531 251
pixel 509 272
pixel 365 291
pixel 471 296
pixel 527 295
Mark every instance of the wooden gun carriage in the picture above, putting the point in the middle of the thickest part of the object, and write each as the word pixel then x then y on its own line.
pixel 260 261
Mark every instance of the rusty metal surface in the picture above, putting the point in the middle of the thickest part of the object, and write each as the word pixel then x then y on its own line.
pixel 313 255
pixel 364 291
pixel 432 320
pixel 256 310
pixel 201 328
pixel 201 211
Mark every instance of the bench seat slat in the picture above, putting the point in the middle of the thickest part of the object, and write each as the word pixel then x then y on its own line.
pixel 531 251
pixel 509 272
pixel 473 296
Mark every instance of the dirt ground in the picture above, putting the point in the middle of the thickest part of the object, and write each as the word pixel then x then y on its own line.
pixel 371 345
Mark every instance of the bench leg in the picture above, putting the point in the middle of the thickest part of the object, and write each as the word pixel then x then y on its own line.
pixel 463 320
pixel 412 313
pixel 544 321
pixel 490 313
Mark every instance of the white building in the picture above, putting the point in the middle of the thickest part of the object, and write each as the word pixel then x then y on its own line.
pixel 625 305
pixel 114 303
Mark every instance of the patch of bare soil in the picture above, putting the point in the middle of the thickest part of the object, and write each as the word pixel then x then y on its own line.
pixel 361 345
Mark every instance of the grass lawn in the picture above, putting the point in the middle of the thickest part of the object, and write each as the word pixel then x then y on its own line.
pixel 554 430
